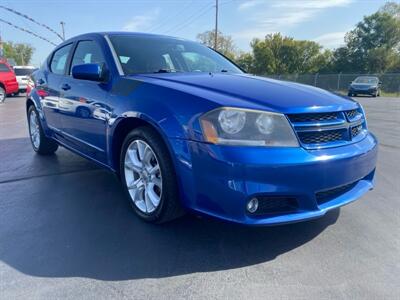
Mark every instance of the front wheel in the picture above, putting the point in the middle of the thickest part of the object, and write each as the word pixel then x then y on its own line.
pixel 148 176
pixel 40 143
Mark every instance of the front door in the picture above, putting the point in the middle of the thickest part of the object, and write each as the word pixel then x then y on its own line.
pixel 84 105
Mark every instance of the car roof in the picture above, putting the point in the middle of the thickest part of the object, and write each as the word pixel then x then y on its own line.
pixel 24 67
pixel 126 33
pixel 367 77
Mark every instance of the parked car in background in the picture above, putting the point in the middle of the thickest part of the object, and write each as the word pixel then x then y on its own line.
pixel 22 73
pixel 185 129
pixel 365 85
pixel 11 62
pixel 8 81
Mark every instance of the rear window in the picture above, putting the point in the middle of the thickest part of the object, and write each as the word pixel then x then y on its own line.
pixel 23 71
pixel 4 68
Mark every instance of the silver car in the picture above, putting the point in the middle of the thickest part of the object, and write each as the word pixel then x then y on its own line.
pixel 22 73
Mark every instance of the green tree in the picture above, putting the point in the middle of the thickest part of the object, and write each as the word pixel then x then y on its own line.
pixel 372 46
pixel 225 44
pixel 246 62
pixel 278 54
pixel 392 8
pixel 21 53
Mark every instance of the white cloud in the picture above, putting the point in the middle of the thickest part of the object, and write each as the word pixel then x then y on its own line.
pixel 313 4
pixel 280 16
pixel 249 4
pixel 331 40
pixel 142 22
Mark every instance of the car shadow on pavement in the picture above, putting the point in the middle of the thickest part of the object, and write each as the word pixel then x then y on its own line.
pixel 79 224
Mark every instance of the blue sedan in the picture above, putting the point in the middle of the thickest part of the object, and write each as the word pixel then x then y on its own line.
pixel 186 130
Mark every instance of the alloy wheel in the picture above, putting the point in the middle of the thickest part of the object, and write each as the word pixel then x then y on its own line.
pixel 2 95
pixel 34 130
pixel 143 176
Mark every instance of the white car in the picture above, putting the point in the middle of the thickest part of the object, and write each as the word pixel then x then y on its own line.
pixel 22 73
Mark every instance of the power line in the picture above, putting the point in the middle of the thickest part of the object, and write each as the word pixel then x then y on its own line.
pixel 171 17
pixel 191 18
pixel 27 31
pixel 32 20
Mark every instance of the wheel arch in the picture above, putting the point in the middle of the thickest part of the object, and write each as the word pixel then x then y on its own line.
pixel 122 129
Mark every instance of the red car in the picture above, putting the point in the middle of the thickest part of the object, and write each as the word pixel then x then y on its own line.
pixel 8 81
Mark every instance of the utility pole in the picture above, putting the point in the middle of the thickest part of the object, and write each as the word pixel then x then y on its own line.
pixel 62 23
pixel 216 26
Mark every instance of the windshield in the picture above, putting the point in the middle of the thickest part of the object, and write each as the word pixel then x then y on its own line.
pixel 370 80
pixel 167 55
pixel 23 71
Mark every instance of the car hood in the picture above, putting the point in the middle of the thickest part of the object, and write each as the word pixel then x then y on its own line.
pixel 255 92
pixel 363 85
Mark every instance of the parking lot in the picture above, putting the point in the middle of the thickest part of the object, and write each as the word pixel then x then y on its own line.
pixel 66 230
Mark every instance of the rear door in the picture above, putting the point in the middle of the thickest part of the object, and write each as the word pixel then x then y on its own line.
pixel 49 84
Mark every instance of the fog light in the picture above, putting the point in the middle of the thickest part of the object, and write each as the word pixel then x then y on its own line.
pixel 252 205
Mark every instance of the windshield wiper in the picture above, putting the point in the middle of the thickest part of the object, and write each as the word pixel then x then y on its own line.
pixel 166 71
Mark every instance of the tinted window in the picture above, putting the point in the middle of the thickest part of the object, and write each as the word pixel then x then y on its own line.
pixel 87 52
pixel 23 71
pixel 59 60
pixel 370 80
pixel 4 68
pixel 138 54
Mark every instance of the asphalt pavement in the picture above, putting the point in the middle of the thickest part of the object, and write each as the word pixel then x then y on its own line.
pixel 66 231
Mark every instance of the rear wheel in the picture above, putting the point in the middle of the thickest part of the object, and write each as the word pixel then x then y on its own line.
pixel 148 176
pixel 40 143
pixel 3 94
pixel 350 94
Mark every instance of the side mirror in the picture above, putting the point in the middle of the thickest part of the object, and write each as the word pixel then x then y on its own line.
pixel 93 72
pixel 380 82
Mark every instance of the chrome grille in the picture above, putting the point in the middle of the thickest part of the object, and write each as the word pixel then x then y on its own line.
pixel 328 129
pixel 313 117
pixel 321 137
pixel 356 130
pixel 352 114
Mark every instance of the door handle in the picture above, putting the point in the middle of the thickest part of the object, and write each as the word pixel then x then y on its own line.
pixel 65 87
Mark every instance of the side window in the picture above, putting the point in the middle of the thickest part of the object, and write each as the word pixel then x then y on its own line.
pixel 59 60
pixel 4 68
pixel 87 52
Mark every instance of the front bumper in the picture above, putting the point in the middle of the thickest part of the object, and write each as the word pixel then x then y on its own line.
pixel 363 91
pixel 220 180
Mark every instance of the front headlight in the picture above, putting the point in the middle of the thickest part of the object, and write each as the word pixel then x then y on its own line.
pixel 235 126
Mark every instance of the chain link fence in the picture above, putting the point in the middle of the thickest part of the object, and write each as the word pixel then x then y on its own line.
pixel 340 82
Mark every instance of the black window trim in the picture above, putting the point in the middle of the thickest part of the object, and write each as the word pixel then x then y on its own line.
pixel 75 46
pixel 67 61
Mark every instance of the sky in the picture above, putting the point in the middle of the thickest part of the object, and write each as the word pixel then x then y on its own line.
pixel 323 21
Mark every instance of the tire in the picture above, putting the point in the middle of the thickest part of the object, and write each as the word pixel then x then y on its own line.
pixel 40 143
pixel 374 94
pixel 350 94
pixel 83 112
pixel 155 203
pixel 3 94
